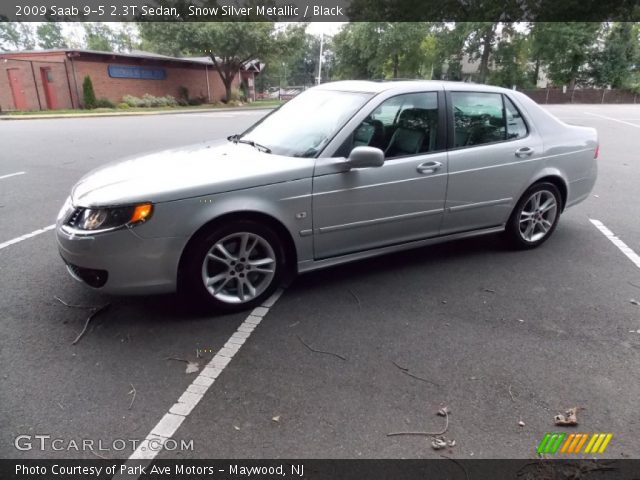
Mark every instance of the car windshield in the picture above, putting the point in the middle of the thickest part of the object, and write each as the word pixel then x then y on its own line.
pixel 304 125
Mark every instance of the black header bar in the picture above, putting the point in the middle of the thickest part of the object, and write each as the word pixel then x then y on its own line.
pixel 319 10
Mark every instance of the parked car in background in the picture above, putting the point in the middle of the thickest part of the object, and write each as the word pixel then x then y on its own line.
pixel 344 171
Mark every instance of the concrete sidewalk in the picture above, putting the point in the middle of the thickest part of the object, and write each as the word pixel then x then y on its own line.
pixel 130 114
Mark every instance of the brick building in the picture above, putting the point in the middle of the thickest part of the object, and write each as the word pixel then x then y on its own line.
pixel 52 79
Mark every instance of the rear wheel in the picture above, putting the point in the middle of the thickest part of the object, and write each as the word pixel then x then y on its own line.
pixel 535 217
pixel 234 267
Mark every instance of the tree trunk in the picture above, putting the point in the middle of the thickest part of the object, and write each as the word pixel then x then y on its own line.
pixel 536 73
pixel 227 88
pixel 486 53
pixel 396 62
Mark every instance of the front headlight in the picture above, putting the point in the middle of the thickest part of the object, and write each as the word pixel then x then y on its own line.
pixel 105 219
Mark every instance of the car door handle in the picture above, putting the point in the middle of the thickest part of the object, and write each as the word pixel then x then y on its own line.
pixel 428 167
pixel 524 152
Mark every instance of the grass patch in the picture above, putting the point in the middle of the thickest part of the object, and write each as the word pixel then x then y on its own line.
pixel 256 104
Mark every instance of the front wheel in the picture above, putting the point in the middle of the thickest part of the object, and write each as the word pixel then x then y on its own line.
pixel 535 217
pixel 234 267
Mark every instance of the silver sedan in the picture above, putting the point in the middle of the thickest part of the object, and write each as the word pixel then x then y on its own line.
pixel 344 171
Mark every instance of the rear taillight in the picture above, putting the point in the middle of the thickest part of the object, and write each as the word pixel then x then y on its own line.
pixel 597 152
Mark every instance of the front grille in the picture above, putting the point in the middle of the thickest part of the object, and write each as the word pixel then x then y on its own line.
pixel 92 277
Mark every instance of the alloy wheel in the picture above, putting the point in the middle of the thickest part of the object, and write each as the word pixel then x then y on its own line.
pixel 239 267
pixel 538 216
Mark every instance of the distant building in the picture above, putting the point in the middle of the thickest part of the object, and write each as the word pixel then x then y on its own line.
pixel 52 79
pixel 470 70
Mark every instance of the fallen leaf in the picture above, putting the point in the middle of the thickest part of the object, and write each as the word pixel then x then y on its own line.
pixel 569 418
pixel 192 367
pixel 444 411
pixel 438 443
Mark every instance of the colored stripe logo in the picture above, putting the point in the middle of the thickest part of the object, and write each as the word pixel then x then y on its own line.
pixel 558 442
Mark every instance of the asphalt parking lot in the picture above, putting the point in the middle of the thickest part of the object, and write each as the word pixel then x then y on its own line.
pixel 499 337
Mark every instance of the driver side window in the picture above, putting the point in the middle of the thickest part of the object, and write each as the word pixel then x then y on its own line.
pixel 401 126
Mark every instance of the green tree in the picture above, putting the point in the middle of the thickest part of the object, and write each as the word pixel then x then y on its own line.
pixel 567 50
pixel 511 58
pixel 16 36
pixel 124 39
pixel 50 36
pixel 229 44
pixel 98 36
pixel 166 38
pixel 88 94
pixel 380 49
pixel 616 63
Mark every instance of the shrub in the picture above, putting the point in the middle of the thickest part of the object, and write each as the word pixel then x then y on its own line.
pixel 123 106
pixel 104 103
pixel 196 101
pixel 236 95
pixel 132 101
pixel 183 93
pixel 88 93
pixel 148 101
pixel 244 91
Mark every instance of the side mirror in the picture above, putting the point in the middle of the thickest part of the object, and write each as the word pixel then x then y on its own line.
pixel 364 157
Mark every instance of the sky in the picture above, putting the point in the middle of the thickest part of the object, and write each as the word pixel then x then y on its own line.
pixel 76 32
pixel 328 28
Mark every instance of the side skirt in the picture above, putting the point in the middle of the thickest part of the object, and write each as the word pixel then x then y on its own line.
pixel 311 265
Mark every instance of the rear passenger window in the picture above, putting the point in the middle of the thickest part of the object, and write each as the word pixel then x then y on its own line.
pixel 478 118
pixel 516 128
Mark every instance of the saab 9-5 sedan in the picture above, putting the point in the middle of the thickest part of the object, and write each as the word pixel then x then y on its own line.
pixel 344 171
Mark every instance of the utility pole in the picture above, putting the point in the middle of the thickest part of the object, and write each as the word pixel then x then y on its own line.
pixel 320 59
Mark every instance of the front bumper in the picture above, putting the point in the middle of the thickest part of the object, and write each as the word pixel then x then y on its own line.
pixel 122 262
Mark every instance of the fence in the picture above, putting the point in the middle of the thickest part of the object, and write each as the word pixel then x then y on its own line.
pixel 582 95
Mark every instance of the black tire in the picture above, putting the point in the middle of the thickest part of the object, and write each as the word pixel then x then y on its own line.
pixel 192 283
pixel 516 229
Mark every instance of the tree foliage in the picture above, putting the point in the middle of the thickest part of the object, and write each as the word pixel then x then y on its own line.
pixel 619 61
pixel 567 50
pixel 88 93
pixel 229 44
pixel 50 36
pixel 380 49
pixel 16 36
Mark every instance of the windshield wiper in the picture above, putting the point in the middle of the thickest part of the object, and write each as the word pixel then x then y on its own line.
pixel 237 138
pixel 262 148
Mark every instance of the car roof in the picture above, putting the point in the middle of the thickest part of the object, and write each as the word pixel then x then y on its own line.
pixel 406 86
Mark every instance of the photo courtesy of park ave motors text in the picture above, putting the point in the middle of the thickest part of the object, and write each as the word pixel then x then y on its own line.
pixel 284 245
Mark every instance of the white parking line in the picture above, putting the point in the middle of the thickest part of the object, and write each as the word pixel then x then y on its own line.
pixel 631 255
pixel 613 119
pixel 171 421
pixel 12 175
pixel 26 236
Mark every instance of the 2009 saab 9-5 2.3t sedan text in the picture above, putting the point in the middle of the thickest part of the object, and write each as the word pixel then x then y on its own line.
pixel 344 171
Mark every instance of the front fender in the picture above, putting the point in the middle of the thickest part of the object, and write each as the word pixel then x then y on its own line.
pixel 288 202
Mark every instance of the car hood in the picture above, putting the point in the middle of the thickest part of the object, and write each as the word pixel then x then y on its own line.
pixel 185 172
